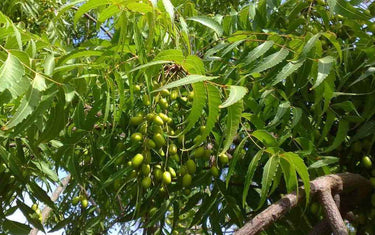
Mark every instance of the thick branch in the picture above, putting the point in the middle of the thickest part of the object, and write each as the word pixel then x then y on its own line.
pixel 339 183
pixel 47 210
pixel 332 213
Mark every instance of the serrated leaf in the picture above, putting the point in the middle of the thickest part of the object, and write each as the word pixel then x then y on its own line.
pixel 302 171
pixel 190 79
pixel 87 7
pixel 345 9
pixel 271 61
pixel 213 95
pixel 169 8
pixel 236 155
pixel 265 137
pixel 250 173
pixel 29 101
pixel 39 193
pixel 308 46
pixel 269 172
pixel 231 47
pixel 297 114
pixel 258 52
pixel 290 175
pixel 199 101
pixel 233 120
pixel 332 38
pixel 287 70
pixel 151 64
pixel 324 68
pixel 340 135
pixel 11 77
pixel 281 110
pixel 324 161
pixel 236 93
pixel 212 24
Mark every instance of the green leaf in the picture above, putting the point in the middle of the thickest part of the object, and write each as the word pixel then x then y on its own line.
pixel 190 79
pixel 55 123
pixel 213 95
pixel 171 54
pixel 308 46
pixel 265 137
pixel 78 54
pixel 297 114
pixel 233 120
pixel 302 171
pixel 270 61
pixel 250 174
pixel 290 175
pixel 199 101
pixel 236 93
pixel 87 7
pixel 151 64
pixel 324 68
pixel 238 153
pixel 340 135
pixel 169 8
pixel 269 173
pixel 193 64
pixel 11 77
pixel 287 70
pixel 212 24
pixel 345 9
pixel 347 106
pixel 332 38
pixel 258 52
pixel 324 161
pixel 15 228
pixel 29 101
pixel 281 110
pixel 39 193
pixel 207 204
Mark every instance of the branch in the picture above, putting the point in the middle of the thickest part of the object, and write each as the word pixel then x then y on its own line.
pixel 344 183
pixel 47 210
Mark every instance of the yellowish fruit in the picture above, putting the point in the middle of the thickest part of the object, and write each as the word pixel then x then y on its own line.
pixel 146 169
pixel 223 158
pixel 136 120
pixel 366 162
pixel 159 139
pixel 75 200
pixel 172 171
pixel 186 180
pixel 136 137
pixel 137 160
pixel 199 152
pixel 214 171
pixel 84 203
pixel 158 173
pixel 146 182
pixel 167 178
pixel 158 120
pixel 34 207
pixel 172 149
pixel 191 167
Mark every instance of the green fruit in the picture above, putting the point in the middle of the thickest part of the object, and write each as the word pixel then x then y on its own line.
pixel 164 117
pixel 133 174
pixel 167 178
pixel 174 95
pixel 159 139
pixel 181 139
pixel 191 95
pixel 38 211
pixel 187 191
pixel 146 169
pixel 223 158
pixel 207 153
pixel 172 171
pixel 202 129
pixel 163 103
pixel 214 171
pixel 183 170
pixel 158 173
pixel 172 149
pixel 372 181
pixel 175 157
pixel 137 88
pixel 136 137
pixel 143 128
pixel 186 180
pixel 161 152
pixel 191 167
pixel 151 144
pixel 130 163
pixel 34 207
pixel 366 162
pixel 157 129
pixel 197 140
pixel 147 156
pixel 199 152
pixel 164 92
pixel 75 200
pixel 84 203
pixel 158 120
pixel 146 182
pixel 137 160
pixel 314 208
pixel 40 217
pixel 150 116
pixel 136 120
pixel 146 100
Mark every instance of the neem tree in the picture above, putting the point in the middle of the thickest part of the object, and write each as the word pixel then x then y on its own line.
pixel 187 116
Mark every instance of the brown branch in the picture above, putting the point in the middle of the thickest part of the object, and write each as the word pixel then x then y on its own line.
pixel 47 210
pixel 332 213
pixel 344 183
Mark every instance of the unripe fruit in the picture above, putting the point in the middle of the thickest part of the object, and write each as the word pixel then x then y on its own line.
pixel 136 120
pixel 150 116
pixel 133 174
pixel 34 207
pixel 163 103
pixel 187 191
pixel 366 162
pixel 40 217
pixel 202 129
pixel 164 117
pixel 161 152
pixel 174 95
pixel 151 144
pixel 223 158
pixel 197 140
pixel 157 129
pixel 158 173
pixel 137 88
pixel 175 157
pixel 146 182
pixel 199 152
pixel 146 169
pixel 191 95
pixel 172 171
pixel 143 128
pixel 136 137
pixel 130 163
pixel 164 92
pixel 137 160
pixel 159 139
pixel 181 139
pixel 38 212
pixel 186 180
pixel 84 203
pixel 75 200
pixel 172 149
pixel 167 178
pixel 207 153
pixel 183 170
pixel 147 156
pixel 146 100
pixel 158 120
pixel 214 171
pixel 191 167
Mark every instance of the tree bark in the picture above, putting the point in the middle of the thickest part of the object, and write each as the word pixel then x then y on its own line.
pixel 344 183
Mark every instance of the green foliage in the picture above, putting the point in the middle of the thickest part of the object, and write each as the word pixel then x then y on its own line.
pixel 282 91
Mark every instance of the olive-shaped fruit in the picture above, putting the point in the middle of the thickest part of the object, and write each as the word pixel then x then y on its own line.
pixel 84 203
pixel 137 88
pixel 136 137
pixel 203 129
pixel 137 160
pixel 167 178
pixel 158 120
pixel 34 207
pixel 159 139
pixel 172 149
pixel 147 156
pixel 366 162
pixel 175 157
pixel 151 144
pixel 146 182
pixel 172 171
pixel 207 153
pixel 164 117
pixel 75 200
pixel 136 120
pixel 186 180
pixel 199 152
pixel 133 174
pixel 158 173
pixel 223 158
pixel 143 128
pixel 164 92
pixel 191 167
pixel 150 116
pixel 38 211
pixel 174 95
pixel 197 140
pixel 146 169
pixel 214 171
pixel 146 100
pixel 161 152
